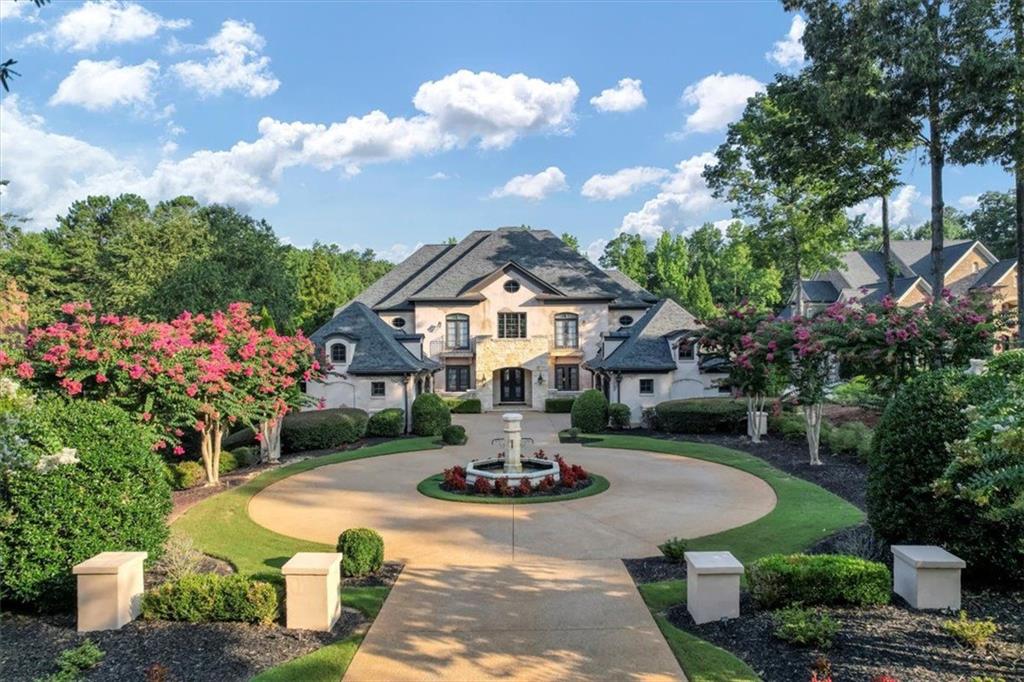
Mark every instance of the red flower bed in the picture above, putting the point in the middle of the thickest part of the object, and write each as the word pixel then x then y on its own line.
pixel 572 477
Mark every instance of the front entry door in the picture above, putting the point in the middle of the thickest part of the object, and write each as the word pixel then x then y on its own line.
pixel 512 385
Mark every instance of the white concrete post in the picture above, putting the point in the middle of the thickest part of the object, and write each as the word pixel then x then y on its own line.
pixel 513 442
pixel 109 590
pixel 312 590
pixel 712 586
pixel 927 576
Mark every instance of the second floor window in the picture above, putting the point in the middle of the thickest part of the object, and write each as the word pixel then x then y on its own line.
pixel 686 349
pixel 511 325
pixel 567 330
pixel 457 331
pixel 339 353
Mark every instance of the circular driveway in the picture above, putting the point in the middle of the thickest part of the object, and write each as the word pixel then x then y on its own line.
pixel 652 497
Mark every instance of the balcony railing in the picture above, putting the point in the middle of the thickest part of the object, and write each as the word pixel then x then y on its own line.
pixel 441 347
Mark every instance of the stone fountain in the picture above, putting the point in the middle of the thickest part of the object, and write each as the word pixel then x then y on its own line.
pixel 510 463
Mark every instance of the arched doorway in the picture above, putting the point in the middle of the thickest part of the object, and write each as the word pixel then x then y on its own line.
pixel 511 386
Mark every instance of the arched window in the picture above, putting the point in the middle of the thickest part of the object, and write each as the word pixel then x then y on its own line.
pixel 567 330
pixel 457 332
pixel 339 353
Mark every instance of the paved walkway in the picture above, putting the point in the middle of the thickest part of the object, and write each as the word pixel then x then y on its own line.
pixel 506 592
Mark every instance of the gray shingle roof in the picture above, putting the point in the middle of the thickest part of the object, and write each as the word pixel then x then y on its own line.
pixel 994 273
pixel 876 292
pixel 819 291
pixel 647 349
pixel 451 272
pixel 377 351
pixel 917 253
pixel 638 293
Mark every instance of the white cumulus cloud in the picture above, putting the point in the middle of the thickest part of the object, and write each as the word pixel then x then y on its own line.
pixel 626 96
pixel 968 202
pixel 534 187
pixel 104 22
pixel 683 199
pixel 102 85
pixel 49 170
pixel 789 52
pixel 621 183
pixel 9 9
pixel 901 208
pixel 237 63
pixel 719 100
pixel 596 249
pixel 497 109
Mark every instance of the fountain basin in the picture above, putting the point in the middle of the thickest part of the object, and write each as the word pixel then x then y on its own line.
pixel 533 469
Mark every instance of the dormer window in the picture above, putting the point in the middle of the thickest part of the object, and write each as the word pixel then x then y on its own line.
pixel 511 286
pixel 398 322
pixel 625 321
pixel 686 349
pixel 977 267
pixel 339 354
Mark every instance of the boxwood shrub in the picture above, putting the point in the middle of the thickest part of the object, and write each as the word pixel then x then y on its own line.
pixel 559 405
pixel 619 416
pixel 702 415
pixel 362 551
pixel 228 462
pixel 389 423
pixel 246 455
pixel 590 411
pixel 187 474
pixel 779 580
pixel 208 597
pixel 464 405
pixel 116 497
pixel 429 415
pixel 454 434
pixel 322 429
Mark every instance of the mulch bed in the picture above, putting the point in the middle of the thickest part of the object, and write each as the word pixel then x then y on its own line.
pixel 654 569
pixel 30 644
pixel 909 645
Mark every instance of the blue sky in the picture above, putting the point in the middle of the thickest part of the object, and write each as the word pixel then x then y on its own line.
pixel 486 114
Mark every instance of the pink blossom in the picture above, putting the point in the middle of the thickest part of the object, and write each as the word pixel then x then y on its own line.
pixel 178 450
pixel 101 379
pixel 26 370
pixel 71 386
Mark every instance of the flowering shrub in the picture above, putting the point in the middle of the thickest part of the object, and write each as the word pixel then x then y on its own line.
pixel 502 487
pixel 547 484
pixel 201 372
pixel 482 486
pixel 524 487
pixel 455 478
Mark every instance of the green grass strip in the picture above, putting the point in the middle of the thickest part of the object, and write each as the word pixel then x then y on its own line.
pixel 804 513
pixel 431 487
pixel 220 526
pixel 327 664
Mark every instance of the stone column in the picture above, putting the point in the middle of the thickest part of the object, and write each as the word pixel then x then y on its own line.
pixel 927 576
pixel 513 442
pixel 109 590
pixel 312 590
pixel 712 586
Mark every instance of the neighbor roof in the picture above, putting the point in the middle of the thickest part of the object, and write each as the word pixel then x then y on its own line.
pixel 994 273
pixel 377 350
pixel 819 291
pixel 647 349
pixel 452 272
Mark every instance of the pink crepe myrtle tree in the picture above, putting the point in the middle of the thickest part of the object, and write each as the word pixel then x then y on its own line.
pixel 201 372
pixel 744 336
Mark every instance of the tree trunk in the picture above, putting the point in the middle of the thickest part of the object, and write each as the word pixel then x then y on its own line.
pixel 1020 247
pixel 270 440
pixel 887 246
pixel 812 414
pixel 211 451
pixel 755 407
pixel 215 460
pixel 937 160
pixel 207 455
pixel 797 273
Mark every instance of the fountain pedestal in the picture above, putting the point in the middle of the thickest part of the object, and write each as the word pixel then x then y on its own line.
pixel 513 442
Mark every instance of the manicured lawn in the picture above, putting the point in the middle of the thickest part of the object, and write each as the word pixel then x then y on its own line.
pixel 431 487
pixel 220 526
pixel 804 513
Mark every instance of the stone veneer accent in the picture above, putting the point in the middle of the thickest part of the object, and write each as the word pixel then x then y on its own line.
pixel 493 354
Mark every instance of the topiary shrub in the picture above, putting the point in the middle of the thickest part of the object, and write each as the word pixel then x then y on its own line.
pixel 228 463
pixel 362 551
pixel 464 405
pixel 910 452
pixel 208 597
pixel 246 456
pixel 619 416
pixel 188 474
pixel 701 415
pixel 110 494
pixel 590 411
pixel 429 415
pixel 454 434
pixel 818 580
pixel 559 405
pixel 389 423
pixel 322 429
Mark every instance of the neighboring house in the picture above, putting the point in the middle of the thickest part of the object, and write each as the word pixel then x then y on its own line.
pixel 862 275
pixel 510 316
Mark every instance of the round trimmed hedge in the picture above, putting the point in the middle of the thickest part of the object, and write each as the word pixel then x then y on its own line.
pixel 362 551
pixel 430 415
pixel 590 411
pixel 116 497
pixel 454 434
pixel 322 429
pixel 779 580
pixel 387 423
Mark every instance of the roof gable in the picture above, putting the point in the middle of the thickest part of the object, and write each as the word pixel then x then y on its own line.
pixel 647 348
pixel 377 351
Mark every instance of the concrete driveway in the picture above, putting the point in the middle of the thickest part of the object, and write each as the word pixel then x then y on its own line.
pixel 508 592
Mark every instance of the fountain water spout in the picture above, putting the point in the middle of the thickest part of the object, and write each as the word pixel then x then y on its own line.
pixel 513 442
